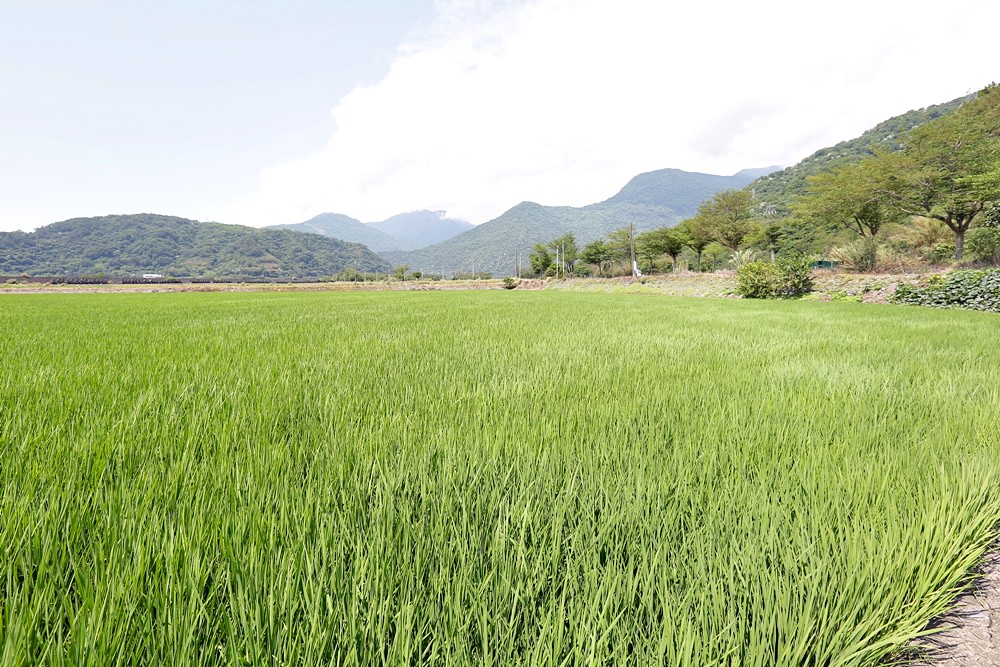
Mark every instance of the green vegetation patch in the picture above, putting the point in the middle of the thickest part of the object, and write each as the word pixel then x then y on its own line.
pixel 497 477
pixel 972 289
pixel 133 245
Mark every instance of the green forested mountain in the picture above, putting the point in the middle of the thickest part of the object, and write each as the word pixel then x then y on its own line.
pixel 122 245
pixel 680 191
pixel 351 230
pixel 650 200
pixel 774 191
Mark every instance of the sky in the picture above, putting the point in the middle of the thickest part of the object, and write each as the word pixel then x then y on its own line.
pixel 264 112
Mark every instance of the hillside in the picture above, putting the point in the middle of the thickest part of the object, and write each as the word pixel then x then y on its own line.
pixel 123 245
pixel 680 191
pixel 348 229
pixel 422 227
pixel 650 200
pixel 774 191
pixel 406 231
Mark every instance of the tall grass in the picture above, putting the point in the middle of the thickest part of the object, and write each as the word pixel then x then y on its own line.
pixel 486 478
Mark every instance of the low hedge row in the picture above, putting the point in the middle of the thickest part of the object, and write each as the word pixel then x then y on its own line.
pixel 973 289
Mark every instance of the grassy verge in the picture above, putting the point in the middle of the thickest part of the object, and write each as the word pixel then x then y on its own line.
pixel 828 285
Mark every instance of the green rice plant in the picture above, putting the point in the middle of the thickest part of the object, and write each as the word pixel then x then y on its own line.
pixel 508 477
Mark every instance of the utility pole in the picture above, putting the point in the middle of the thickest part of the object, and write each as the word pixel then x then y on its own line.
pixel 631 238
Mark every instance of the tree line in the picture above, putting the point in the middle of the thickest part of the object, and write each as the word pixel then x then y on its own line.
pixel 930 195
pixel 942 179
pixel 723 226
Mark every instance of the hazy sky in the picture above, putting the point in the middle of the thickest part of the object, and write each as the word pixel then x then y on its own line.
pixel 266 111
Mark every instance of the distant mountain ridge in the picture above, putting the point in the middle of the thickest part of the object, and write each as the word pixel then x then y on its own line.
pixel 406 231
pixel 681 191
pixel 650 200
pixel 423 227
pixel 427 241
pixel 346 228
pixel 125 245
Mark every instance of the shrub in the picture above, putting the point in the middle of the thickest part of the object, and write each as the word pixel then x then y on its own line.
pixel 789 277
pixel 509 283
pixel 975 290
pixel 796 274
pixel 741 258
pixel 758 280
pixel 941 253
pixel 859 255
pixel 892 259
pixel 582 271
pixel 983 244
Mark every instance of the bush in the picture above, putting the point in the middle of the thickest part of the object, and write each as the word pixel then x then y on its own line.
pixel 582 271
pixel 758 280
pixel 975 290
pixel 941 253
pixel 892 259
pixel 984 244
pixel 789 277
pixel 509 283
pixel 860 255
pixel 796 274
pixel 741 258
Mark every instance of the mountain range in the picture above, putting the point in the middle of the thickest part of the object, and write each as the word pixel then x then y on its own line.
pixel 426 241
pixel 650 200
pixel 406 231
pixel 128 245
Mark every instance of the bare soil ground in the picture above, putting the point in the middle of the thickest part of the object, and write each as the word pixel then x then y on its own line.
pixel 828 286
pixel 972 630
pixel 45 288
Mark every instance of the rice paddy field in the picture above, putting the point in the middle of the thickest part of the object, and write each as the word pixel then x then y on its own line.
pixel 487 478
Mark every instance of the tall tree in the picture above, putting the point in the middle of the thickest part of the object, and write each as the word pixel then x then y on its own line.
pixel 660 241
pixel 854 196
pixel 697 234
pixel 565 249
pixel 620 242
pixel 770 235
pixel 540 259
pixel 599 253
pixel 728 215
pixel 949 169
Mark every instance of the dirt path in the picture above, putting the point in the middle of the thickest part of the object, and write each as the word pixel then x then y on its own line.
pixel 45 288
pixel 973 635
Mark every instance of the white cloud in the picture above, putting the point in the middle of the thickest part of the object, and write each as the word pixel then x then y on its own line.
pixel 561 101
